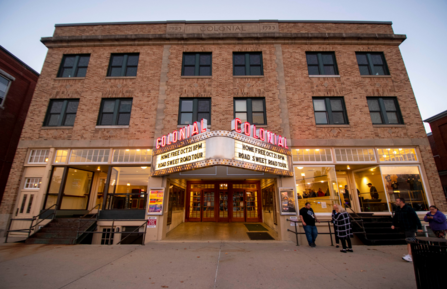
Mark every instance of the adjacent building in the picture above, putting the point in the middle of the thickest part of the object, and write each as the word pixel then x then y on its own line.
pixel 17 84
pixel 438 143
pixel 154 124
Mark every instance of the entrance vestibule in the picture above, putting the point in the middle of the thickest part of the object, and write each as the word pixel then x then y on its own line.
pixel 223 201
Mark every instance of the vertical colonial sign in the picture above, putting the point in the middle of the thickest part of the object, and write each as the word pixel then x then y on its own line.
pixel 245 146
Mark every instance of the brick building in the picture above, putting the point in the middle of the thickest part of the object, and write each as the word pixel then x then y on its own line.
pixel 17 84
pixel 438 143
pixel 220 121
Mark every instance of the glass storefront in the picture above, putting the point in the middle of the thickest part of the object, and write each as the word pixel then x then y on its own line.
pixel 317 185
pixel 54 187
pixel 127 188
pixel 405 182
pixel 370 190
pixel 77 190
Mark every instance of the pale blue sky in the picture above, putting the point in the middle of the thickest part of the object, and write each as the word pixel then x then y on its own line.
pixel 24 22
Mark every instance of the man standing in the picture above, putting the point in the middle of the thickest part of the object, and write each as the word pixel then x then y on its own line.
pixel 408 221
pixel 308 219
pixel 373 192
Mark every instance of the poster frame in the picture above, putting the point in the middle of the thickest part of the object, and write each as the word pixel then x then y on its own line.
pixel 283 213
pixel 149 199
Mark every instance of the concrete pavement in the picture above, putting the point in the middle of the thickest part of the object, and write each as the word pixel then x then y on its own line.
pixel 267 264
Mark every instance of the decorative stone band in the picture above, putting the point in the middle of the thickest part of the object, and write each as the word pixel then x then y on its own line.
pixel 224 133
pixel 221 162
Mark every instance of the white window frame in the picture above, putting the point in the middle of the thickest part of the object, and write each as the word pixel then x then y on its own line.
pixel 420 173
pixel 38 163
pixel 314 162
pixel 398 162
pixel 296 193
pixel 105 162
pixel 55 159
pixel 39 182
pixel 10 78
pixel 374 149
pixel 148 163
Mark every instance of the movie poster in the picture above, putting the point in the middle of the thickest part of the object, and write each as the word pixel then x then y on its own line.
pixel 287 201
pixel 155 206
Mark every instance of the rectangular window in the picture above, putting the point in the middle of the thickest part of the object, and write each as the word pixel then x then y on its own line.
pixel 397 155
pixel 123 65
pixel 196 64
pixel 61 112
pixel 354 155
pixel 32 183
pixel 4 87
pixel 74 65
pixel 247 63
pixel 321 63
pixel 318 186
pixel 89 156
pixel 372 63
pixel 312 155
pixel 194 109
pixel 330 110
pixel 251 110
pixel 384 110
pixel 115 111
pixel 38 156
pixel 61 156
pixel 107 236
pixel 132 156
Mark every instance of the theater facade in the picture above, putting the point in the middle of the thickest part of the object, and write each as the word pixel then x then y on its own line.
pixel 148 126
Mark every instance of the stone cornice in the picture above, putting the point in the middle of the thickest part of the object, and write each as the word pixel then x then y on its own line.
pixel 227 38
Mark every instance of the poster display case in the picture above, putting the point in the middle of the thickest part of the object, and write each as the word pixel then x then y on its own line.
pixel 156 198
pixel 287 201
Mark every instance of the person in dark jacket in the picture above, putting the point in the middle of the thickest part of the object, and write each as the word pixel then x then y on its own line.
pixel 437 222
pixel 334 215
pixel 344 232
pixel 373 192
pixel 408 221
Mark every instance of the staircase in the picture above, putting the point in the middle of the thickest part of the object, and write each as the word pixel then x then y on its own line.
pixel 64 231
pixel 375 230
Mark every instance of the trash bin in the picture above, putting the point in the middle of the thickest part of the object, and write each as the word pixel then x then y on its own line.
pixel 429 255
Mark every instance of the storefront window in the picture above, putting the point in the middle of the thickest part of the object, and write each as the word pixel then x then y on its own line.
pixel 54 187
pixel 405 182
pixel 312 155
pixel 77 190
pixel 127 188
pixel 370 190
pixel 318 186
pixel 397 155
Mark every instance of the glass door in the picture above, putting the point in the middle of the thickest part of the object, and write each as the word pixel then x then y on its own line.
pixel 370 190
pixel 345 193
pixel 195 205
pixel 223 206
pixel 208 214
pixel 251 201
pixel 238 212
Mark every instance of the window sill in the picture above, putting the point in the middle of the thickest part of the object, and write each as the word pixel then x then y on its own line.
pixel 183 125
pixel 334 125
pixel 56 127
pixel 248 76
pixel 197 76
pixel 66 78
pixel 120 77
pixel 111 126
pixel 319 76
pixel 376 76
pixel 389 125
pixel 261 125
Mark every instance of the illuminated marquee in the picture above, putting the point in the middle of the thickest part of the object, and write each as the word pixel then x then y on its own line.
pixel 185 155
pixel 260 156
pixel 261 134
pixel 182 134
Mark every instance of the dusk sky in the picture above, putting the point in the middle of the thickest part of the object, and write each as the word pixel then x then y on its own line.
pixel 23 23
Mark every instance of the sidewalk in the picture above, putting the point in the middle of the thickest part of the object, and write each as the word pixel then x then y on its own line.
pixel 203 265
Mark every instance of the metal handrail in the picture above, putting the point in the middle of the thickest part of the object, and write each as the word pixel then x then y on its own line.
pixel 32 226
pixel 135 231
pixel 88 219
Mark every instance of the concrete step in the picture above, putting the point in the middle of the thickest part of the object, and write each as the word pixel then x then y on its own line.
pixel 49 241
